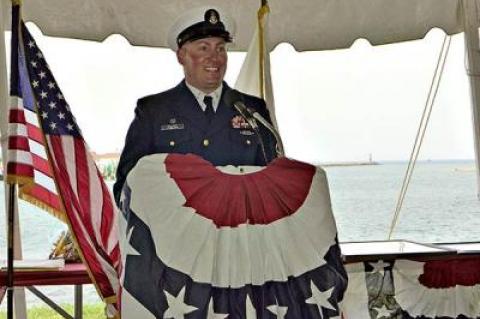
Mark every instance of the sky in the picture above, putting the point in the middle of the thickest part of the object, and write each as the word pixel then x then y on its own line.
pixel 331 106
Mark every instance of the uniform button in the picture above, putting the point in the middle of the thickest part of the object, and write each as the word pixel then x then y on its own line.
pixel 248 142
pixel 172 143
pixel 206 142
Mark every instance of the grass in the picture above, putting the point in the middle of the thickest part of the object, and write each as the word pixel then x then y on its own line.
pixel 90 311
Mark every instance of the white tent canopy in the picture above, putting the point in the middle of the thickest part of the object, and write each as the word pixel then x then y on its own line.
pixel 306 24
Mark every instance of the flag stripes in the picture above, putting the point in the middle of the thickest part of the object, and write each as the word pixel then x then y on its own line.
pixel 52 164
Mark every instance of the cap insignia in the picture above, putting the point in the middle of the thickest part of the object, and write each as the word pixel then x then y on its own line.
pixel 212 16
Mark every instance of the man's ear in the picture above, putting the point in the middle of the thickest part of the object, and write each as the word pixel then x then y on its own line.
pixel 181 55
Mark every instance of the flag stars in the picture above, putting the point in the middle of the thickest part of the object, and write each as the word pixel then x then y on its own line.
pixel 250 311
pixel 51 85
pixel 130 249
pixel 278 310
pixel 379 267
pixel 60 96
pixel 39 55
pixel 177 308
pixel 52 105
pixel 61 115
pixel 53 125
pixel 33 63
pixel 42 74
pixel 70 126
pixel 44 115
pixel 212 314
pixel 44 94
pixel 320 298
pixel 383 312
pixel 31 44
pixel 35 83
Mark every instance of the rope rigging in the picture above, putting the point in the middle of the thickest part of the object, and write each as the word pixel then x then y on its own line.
pixel 427 111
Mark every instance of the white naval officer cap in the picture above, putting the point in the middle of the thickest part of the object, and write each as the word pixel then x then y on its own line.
pixel 199 23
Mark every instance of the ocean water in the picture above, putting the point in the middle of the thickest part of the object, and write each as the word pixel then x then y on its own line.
pixel 441 205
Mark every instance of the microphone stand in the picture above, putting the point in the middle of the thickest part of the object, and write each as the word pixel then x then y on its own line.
pixel 280 150
pixel 249 117
pixel 233 97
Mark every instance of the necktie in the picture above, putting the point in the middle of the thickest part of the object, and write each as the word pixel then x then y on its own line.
pixel 209 113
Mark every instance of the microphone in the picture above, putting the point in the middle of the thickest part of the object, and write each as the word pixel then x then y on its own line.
pixel 233 97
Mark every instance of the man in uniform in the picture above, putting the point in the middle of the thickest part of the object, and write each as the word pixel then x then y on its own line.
pixel 193 116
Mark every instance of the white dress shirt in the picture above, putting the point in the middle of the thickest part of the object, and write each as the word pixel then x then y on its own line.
pixel 199 95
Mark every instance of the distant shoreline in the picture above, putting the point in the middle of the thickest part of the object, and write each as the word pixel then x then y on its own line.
pixel 381 162
pixel 349 164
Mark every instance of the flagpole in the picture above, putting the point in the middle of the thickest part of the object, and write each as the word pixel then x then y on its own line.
pixel 11 222
pixel 10 198
pixel 14 250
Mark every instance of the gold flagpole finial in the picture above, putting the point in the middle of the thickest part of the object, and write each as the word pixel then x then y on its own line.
pixel 16 2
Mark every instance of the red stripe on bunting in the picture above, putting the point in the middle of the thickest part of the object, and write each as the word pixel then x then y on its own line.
pixel 262 197
pixel 450 273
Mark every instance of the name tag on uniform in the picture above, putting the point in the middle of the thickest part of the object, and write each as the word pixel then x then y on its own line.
pixel 247 132
pixel 169 127
pixel 172 125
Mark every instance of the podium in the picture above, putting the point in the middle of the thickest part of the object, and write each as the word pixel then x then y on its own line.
pixel 209 242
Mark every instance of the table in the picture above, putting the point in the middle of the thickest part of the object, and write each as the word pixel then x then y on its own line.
pixel 72 274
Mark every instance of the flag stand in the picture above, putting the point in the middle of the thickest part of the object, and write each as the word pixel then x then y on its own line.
pixel 10 235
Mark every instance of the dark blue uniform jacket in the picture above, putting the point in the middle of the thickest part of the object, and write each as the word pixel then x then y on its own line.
pixel 173 122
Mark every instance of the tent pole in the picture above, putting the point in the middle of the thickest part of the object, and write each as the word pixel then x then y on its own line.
pixel 471 25
pixel 10 198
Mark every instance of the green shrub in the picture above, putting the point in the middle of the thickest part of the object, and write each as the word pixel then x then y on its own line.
pixel 90 311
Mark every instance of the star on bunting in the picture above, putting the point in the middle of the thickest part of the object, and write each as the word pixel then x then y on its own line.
pixel 130 250
pixel 250 310
pixel 177 308
pixel 280 311
pixel 383 312
pixel 379 267
pixel 320 298
pixel 212 314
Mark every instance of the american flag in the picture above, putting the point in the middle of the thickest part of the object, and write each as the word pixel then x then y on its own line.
pixel 52 163
pixel 28 162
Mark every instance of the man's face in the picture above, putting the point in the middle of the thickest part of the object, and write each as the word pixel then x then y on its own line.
pixel 204 62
